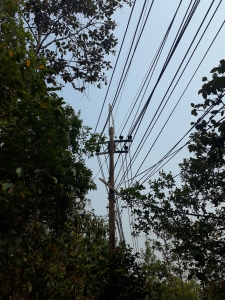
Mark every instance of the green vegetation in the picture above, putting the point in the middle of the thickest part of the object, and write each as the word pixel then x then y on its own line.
pixel 74 37
pixel 52 245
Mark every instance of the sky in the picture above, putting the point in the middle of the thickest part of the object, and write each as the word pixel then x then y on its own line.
pixel 90 105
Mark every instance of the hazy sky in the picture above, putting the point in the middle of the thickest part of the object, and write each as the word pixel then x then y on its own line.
pixel 158 21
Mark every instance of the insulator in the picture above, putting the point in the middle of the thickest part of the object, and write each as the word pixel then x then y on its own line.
pixel 126 147
pixel 121 137
pixel 97 150
pixel 129 137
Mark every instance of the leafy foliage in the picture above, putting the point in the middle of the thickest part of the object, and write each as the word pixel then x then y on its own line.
pixel 51 245
pixel 74 37
pixel 40 177
pixel 164 278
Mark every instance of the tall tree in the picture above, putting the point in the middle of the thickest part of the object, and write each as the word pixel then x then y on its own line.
pixel 74 37
pixel 51 246
pixel 42 142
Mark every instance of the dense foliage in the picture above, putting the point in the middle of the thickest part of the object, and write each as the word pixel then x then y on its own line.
pixel 74 37
pixel 165 277
pixel 52 245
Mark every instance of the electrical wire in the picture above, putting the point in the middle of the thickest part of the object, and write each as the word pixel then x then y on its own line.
pixel 178 81
pixel 170 153
pixel 103 176
pixel 172 50
pixel 121 94
pixel 160 50
pixel 115 64
pixel 199 66
pixel 131 217
pixel 101 166
pixel 154 172
pixel 135 48
pixel 178 212
pixel 150 70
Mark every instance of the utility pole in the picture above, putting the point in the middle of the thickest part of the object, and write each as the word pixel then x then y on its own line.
pixel 112 237
pixel 112 149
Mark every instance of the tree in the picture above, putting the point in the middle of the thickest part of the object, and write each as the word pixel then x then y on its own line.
pixel 37 169
pixel 51 245
pixel 73 36
pixel 193 215
pixel 163 279
pixel 43 176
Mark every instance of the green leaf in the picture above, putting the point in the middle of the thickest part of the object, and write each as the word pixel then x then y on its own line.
pixel 214 70
pixel 194 112
pixel 204 95
pixel 55 179
pixel 19 172
pixel 214 112
pixel 74 171
pixel 31 249
pixel 44 105
pixel 6 186
pixel 17 241
pixel 195 253
pixel 29 286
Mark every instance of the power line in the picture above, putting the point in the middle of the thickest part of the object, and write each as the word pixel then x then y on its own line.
pixel 103 176
pixel 170 153
pixel 150 70
pixel 121 94
pixel 153 64
pixel 195 73
pixel 178 81
pixel 161 47
pixel 124 76
pixel 116 63
pixel 172 50
pixel 101 165
pixel 178 212
pixel 190 140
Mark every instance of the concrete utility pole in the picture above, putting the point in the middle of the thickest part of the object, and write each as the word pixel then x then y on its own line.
pixel 112 237
pixel 112 148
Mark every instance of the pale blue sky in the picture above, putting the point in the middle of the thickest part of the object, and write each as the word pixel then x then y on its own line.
pixel 158 21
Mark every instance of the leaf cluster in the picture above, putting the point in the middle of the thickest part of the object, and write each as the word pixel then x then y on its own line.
pixel 74 37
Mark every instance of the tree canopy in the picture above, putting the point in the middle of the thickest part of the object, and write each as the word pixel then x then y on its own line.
pixel 37 169
pixel 74 37
pixel 52 245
